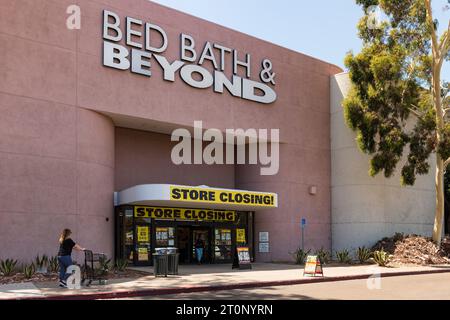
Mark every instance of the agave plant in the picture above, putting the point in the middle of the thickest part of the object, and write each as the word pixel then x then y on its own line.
pixel 41 263
pixel 323 255
pixel 121 264
pixel 29 270
pixel 363 254
pixel 381 257
pixel 343 256
pixel 300 255
pixel 53 264
pixel 104 266
pixel 7 267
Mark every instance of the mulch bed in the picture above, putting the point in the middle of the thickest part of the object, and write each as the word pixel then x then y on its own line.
pixel 39 277
pixel 412 249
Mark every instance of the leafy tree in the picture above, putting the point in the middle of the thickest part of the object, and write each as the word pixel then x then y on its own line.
pixel 398 102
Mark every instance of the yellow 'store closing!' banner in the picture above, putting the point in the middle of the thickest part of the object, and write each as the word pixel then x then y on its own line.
pixel 184 214
pixel 201 195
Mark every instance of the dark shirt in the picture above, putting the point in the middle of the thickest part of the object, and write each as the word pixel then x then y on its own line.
pixel 65 248
pixel 199 244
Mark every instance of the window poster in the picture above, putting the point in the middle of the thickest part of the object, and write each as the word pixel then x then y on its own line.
pixel 142 254
pixel 143 234
pixel 240 235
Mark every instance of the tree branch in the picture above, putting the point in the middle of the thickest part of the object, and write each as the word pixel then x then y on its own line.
pixel 444 46
pixel 434 40
pixel 446 163
pixel 416 111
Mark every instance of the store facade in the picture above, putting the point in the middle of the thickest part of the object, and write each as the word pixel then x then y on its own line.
pixel 87 115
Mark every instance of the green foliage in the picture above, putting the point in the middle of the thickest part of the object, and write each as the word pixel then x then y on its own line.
pixel 391 83
pixel 53 264
pixel 121 264
pixel 300 255
pixel 343 256
pixel 29 270
pixel 323 255
pixel 7 267
pixel 398 236
pixel 381 257
pixel 41 261
pixel 363 254
pixel 104 265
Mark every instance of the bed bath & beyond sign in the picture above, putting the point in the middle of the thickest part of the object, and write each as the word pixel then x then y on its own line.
pixel 138 59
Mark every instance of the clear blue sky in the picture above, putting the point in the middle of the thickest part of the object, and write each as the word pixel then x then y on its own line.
pixel 325 29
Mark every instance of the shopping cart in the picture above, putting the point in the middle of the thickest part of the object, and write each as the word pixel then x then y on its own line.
pixel 94 267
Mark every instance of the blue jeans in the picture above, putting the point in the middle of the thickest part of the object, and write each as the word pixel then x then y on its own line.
pixel 64 263
pixel 199 252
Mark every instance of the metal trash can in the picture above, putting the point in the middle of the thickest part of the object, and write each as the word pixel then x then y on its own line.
pixel 173 259
pixel 160 265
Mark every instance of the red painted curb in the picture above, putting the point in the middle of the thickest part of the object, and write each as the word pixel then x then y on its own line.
pixel 245 285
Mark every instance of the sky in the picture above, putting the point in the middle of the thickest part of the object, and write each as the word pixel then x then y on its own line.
pixel 325 29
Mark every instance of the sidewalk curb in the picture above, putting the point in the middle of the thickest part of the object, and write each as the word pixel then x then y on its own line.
pixel 242 285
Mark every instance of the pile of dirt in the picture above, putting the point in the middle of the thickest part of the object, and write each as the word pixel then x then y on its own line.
pixel 412 249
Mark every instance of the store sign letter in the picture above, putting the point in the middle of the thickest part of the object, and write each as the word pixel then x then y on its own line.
pixel 146 42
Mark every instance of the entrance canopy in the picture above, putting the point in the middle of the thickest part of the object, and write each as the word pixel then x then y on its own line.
pixel 169 195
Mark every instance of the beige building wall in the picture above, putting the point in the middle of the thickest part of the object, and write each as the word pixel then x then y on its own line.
pixel 365 209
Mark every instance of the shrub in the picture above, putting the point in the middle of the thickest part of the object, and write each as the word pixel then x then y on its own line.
pixel 363 254
pixel 104 265
pixel 398 236
pixel 41 263
pixel 53 264
pixel 300 255
pixel 7 267
pixel 343 256
pixel 323 255
pixel 29 270
pixel 121 264
pixel 381 257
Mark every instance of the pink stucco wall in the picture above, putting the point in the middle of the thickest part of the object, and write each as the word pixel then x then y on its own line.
pixel 57 153
pixel 144 157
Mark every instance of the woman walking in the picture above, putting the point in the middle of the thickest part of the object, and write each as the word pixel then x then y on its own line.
pixel 66 244
pixel 199 247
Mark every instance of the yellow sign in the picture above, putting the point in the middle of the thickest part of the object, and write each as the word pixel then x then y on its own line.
pixel 184 214
pixel 240 235
pixel 143 234
pixel 222 196
pixel 142 254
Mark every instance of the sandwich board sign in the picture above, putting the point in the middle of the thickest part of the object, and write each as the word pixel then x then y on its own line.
pixel 242 258
pixel 313 267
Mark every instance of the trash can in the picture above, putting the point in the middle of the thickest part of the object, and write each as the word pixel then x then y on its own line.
pixel 160 265
pixel 173 259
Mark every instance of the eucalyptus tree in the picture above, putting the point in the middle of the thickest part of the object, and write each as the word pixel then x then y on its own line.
pixel 398 104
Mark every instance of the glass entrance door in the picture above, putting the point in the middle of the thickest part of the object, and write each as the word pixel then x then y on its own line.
pixel 143 250
pixel 204 235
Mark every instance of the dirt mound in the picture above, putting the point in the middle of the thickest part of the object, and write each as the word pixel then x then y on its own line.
pixel 412 249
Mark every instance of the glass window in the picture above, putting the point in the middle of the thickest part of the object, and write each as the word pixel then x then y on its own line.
pixel 165 237
pixel 222 244
pixel 128 229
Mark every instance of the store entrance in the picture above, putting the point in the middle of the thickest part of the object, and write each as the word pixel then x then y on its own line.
pixel 201 236
pixel 186 242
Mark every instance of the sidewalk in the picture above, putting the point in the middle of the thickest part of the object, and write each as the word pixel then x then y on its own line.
pixel 205 278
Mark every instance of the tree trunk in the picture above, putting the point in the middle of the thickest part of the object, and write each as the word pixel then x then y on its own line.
pixel 439 214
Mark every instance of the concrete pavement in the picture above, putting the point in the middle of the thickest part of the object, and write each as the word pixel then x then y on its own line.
pixel 416 287
pixel 193 278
